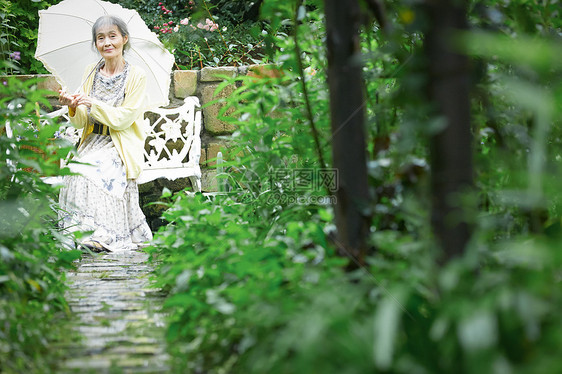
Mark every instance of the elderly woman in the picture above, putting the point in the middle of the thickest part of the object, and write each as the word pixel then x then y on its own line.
pixel 102 199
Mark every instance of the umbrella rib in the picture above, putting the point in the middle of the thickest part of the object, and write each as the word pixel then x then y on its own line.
pixel 148 67
pixel 151 54
pixel 106 13
pixel 130 18
pixel 71 15
pixel 51 13
pixel 101 6
pixel 88 41
pixel 154 44
pixel 63 47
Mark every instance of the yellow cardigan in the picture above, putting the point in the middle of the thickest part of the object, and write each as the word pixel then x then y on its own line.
pixel 124 122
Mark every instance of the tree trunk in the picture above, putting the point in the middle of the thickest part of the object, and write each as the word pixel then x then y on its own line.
pixel 348 128
pixel 450 147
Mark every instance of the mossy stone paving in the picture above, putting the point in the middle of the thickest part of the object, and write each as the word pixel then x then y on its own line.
pixel 117 314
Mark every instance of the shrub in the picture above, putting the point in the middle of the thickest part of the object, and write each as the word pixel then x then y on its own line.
pixel 205 32
pixel 238 266
pixel 18 39
pixel 225 266
pixel 32 252
pixel 255 284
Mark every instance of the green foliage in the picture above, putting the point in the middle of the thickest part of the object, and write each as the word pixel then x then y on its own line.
pixel 269 107
pixel 518 108
pixel 20 21
pixel 7 43
pixel 205 32
pixel 228 261
pixel 235 44
pixel 255 282
pixel 222 285
pixel 32 252
pixel 408 317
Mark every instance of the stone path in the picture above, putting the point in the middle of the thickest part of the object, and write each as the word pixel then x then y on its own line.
pixel 117 315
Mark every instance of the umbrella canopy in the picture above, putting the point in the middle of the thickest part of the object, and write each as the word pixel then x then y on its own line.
pixel 64 45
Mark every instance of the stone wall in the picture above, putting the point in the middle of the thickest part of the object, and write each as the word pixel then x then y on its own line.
pixel 203 83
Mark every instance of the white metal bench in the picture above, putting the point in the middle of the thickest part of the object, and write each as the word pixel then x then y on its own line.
pixel 173 141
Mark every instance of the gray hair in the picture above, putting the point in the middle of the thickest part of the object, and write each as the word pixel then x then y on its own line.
pixel 111 21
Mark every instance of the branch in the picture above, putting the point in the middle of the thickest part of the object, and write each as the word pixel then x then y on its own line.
pixel 304 89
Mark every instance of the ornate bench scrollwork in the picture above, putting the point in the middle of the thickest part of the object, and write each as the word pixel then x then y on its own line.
pixel 173 142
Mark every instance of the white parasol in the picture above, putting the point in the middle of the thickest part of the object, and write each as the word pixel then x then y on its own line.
pixel 64 45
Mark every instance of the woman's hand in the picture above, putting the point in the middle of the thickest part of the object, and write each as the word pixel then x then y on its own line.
pixel 84 100
pixel 75 100
pixel 68 99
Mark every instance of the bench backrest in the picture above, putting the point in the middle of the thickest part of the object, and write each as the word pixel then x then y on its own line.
pixel 173 136
pixel 173 140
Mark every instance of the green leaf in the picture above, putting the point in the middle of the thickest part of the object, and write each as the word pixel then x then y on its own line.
pixel 387 322
pixel 301 13
pixel 478 331
pixel 166 192
pixel 538 53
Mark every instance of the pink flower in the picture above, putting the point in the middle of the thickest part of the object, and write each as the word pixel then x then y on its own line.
pixel 202 26
pixel 209 25
pixel 185 21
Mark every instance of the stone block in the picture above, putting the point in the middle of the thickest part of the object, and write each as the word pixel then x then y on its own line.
pixel 48 82
pixel 213 124
pixel 185 83
pixel 21 77
pixel 209 180
pixel 217 74
pixel 45 82
pixel 264 71
pixel 203 159
pixel 146 187
pixel 156 223
pixel 152 211
pixel 174 185
pixel 212 150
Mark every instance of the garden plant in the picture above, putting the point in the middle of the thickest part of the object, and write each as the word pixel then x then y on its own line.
pixel 34 255
pixel 454 274
pixel 257 280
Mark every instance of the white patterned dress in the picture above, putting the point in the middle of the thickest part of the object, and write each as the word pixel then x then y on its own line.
pixel 101 200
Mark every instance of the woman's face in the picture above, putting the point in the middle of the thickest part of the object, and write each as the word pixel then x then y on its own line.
pixel 110 42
